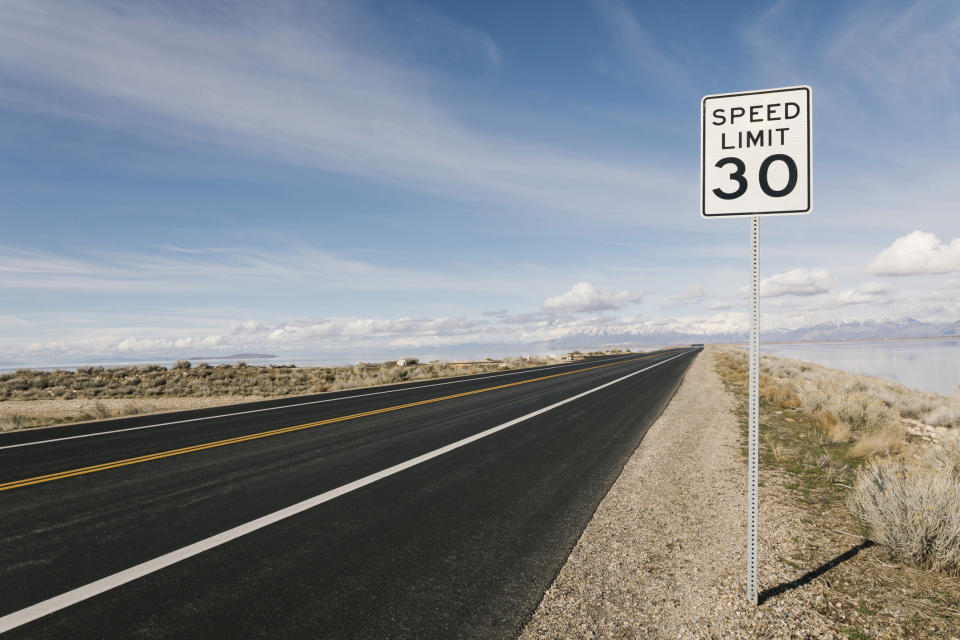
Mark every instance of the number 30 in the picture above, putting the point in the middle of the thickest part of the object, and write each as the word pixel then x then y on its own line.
pixel 764 169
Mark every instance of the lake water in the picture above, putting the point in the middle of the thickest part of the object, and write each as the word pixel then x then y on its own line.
pixel 933 365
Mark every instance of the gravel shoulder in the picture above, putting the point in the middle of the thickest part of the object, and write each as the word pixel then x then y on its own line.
pixel 663 555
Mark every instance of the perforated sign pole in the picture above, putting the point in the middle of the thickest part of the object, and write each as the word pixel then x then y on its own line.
pixel 753 430
pixel 755 161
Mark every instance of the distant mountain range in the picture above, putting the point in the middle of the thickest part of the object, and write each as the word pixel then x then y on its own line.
pixel 824 331
pixel 865 330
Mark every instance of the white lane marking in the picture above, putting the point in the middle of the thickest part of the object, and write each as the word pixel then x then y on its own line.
pixel 286 406
pixel 64 600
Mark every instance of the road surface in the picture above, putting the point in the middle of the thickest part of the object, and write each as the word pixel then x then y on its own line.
pixel 440 509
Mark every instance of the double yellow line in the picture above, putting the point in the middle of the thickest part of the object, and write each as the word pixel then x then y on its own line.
pixel 50 477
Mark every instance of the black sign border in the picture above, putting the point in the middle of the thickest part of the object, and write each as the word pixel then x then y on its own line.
pixel 703 156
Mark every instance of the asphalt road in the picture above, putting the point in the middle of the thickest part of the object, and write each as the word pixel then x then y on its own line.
pixel 439 509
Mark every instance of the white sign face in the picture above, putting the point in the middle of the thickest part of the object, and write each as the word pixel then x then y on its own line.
pixel 755 153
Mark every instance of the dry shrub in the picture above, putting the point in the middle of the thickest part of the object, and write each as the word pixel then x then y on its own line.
pixel 779 393
pixel 946 457
pixel 204 380
pixel 100 410
pixel 865 403
pixel 913 510
pixel 842 406
pixel 830 426
pixel 732 364
pixel 865 413
pixel 883 442
pixel 13 422
pixel 944 415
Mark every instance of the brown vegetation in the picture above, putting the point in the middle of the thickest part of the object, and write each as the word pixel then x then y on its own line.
pixel 859 471
pixel 30 398
pixel 905 494
pixel 843 406
pixel 914 509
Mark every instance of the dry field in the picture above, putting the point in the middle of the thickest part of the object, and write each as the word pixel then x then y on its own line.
pixel 33 398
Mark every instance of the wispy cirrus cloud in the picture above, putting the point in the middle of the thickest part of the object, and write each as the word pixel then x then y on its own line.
pixel 293 87
pixel 874 65
pixel 636 46
pixel 175 269
pixel 234 270
pixel 892 53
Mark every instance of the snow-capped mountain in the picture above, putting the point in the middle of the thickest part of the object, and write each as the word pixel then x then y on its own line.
pixel 865 330
pixel 832 330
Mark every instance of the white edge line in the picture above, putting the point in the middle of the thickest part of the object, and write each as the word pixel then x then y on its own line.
pixel 285 406
pixel 64 600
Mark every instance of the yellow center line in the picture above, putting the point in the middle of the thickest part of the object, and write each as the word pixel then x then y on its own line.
pixel 50 477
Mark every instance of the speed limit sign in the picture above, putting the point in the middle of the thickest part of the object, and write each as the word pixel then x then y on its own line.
pixel 756 153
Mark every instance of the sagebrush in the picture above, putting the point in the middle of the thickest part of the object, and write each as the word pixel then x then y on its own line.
pixel 30 398
pixel 913 508
pixel 204 380
pixel 845 406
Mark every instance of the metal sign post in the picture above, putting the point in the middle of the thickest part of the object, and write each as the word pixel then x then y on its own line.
pixel 755 161
pixel 753 429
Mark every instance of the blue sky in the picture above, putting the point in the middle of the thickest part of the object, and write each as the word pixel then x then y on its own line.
pixel 319 178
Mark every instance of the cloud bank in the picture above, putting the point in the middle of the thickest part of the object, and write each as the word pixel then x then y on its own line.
pixel 324 337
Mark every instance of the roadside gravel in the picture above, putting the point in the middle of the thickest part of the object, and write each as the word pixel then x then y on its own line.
pixel 663 556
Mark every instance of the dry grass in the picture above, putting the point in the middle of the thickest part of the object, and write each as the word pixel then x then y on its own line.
pixel 913 509
pixel 22 414
pixel 883 442
pixel 844 406
pixel 907 496
pixel 809 379
pixel 184 380
pixel 831 427
pixel 778 392
pixel 31 398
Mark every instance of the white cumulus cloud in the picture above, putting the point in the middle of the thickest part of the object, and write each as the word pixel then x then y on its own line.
pixel 583 296
pixel 917 253
pixel 797 282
